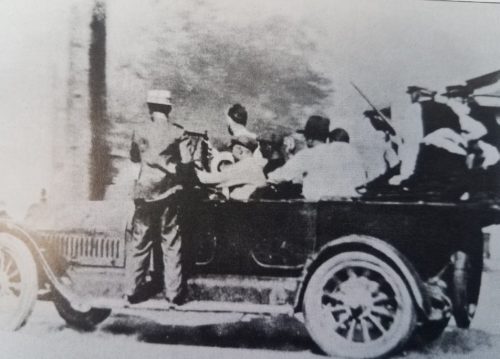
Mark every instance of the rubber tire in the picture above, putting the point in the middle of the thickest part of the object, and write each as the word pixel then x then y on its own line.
pixel 29 277
pixel 460 299
pixel 313 315
pixel 86 321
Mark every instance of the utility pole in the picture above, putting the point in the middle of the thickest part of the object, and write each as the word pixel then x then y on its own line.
pixel 100 171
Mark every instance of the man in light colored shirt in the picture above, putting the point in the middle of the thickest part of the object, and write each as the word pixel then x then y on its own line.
pixel 165 167
pixel 241 178
pixel 237 117
pixel 325 169
pixel 428 122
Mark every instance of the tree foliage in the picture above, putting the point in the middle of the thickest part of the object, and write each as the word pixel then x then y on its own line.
pixel 210 63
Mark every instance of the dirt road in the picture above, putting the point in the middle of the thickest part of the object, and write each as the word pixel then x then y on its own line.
pixel 186 335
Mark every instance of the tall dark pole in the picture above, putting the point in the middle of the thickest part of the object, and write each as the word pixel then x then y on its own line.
pixel 100 162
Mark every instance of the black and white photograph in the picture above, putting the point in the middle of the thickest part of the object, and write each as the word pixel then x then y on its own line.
pixel 249 179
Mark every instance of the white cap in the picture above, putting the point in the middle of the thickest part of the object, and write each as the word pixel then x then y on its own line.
pixel 159 97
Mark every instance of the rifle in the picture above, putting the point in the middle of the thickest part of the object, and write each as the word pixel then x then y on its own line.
pixel 204 135
pixel 385 122
pixel 198 137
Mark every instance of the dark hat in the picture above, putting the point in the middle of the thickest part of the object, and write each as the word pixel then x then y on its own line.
pixel 386 111
pixel 379 123
pixel 339 135
pixel 422 91
pixel 238 114
pixel 457 91
pixel 245 141
pixel 317 128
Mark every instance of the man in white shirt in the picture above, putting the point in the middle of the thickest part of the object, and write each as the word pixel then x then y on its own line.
pixel 325 169
pixel 244 176
pixel 430 123
pixel 165 168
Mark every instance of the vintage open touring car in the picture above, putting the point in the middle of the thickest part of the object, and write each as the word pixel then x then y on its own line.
pixel 366 274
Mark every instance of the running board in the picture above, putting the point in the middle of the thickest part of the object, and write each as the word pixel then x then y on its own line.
pixel 118 305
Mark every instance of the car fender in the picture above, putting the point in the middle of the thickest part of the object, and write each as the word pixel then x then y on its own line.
pixel 374 246
pixel 43 267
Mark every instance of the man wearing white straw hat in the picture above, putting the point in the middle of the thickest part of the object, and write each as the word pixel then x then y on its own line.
pixel 157 193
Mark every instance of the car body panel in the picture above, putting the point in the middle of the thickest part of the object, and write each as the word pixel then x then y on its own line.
pixel 267 241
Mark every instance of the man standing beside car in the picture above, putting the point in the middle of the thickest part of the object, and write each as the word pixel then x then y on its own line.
pixel 157 194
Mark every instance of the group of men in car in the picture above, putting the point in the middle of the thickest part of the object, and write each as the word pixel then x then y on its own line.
pixel 328 166
pixel 433 141
pixel 446 148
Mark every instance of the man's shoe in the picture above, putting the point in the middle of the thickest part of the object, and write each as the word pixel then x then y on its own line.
pixel 144 292
pixel 180 299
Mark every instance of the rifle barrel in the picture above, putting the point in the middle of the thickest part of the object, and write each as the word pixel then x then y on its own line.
pixel 382 116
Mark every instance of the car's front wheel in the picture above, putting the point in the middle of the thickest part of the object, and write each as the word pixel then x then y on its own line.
pixel 18 282
pixel 357 306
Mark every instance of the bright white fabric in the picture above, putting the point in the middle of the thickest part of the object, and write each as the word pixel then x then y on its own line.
pixel 246 175
pixel 448 140
pixel 490 154
pixel 239 130
pixel 471 129
pixel 411 132
pixel 326 170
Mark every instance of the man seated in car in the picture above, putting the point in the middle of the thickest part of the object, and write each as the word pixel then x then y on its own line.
pixel 325 169
pixel 436 140
pixel 242 177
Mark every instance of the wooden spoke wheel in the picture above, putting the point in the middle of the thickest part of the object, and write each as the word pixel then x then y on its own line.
pixel 358 306
pixel 18 282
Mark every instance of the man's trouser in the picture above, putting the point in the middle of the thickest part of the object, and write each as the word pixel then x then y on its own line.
pixel 440 172
pixel 156 223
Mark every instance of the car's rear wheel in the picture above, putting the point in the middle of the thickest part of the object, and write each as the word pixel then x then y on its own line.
pixel 18 282
pixel 357 306
pixel 461 313
pixel 83 320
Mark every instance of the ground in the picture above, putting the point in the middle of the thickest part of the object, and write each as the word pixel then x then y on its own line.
pixel 186 335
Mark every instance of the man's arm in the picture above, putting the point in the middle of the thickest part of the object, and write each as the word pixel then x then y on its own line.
pixel 292 169
pixel 411 134
pixel 471 129
pixel 233 174
pixel 210 177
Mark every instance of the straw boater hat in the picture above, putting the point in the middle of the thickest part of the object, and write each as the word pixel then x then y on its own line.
pixel 159 101
pixel 159 97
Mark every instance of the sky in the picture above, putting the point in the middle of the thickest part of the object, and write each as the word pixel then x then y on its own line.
pixel 381 45
pixel 386 45
pixel 32 48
